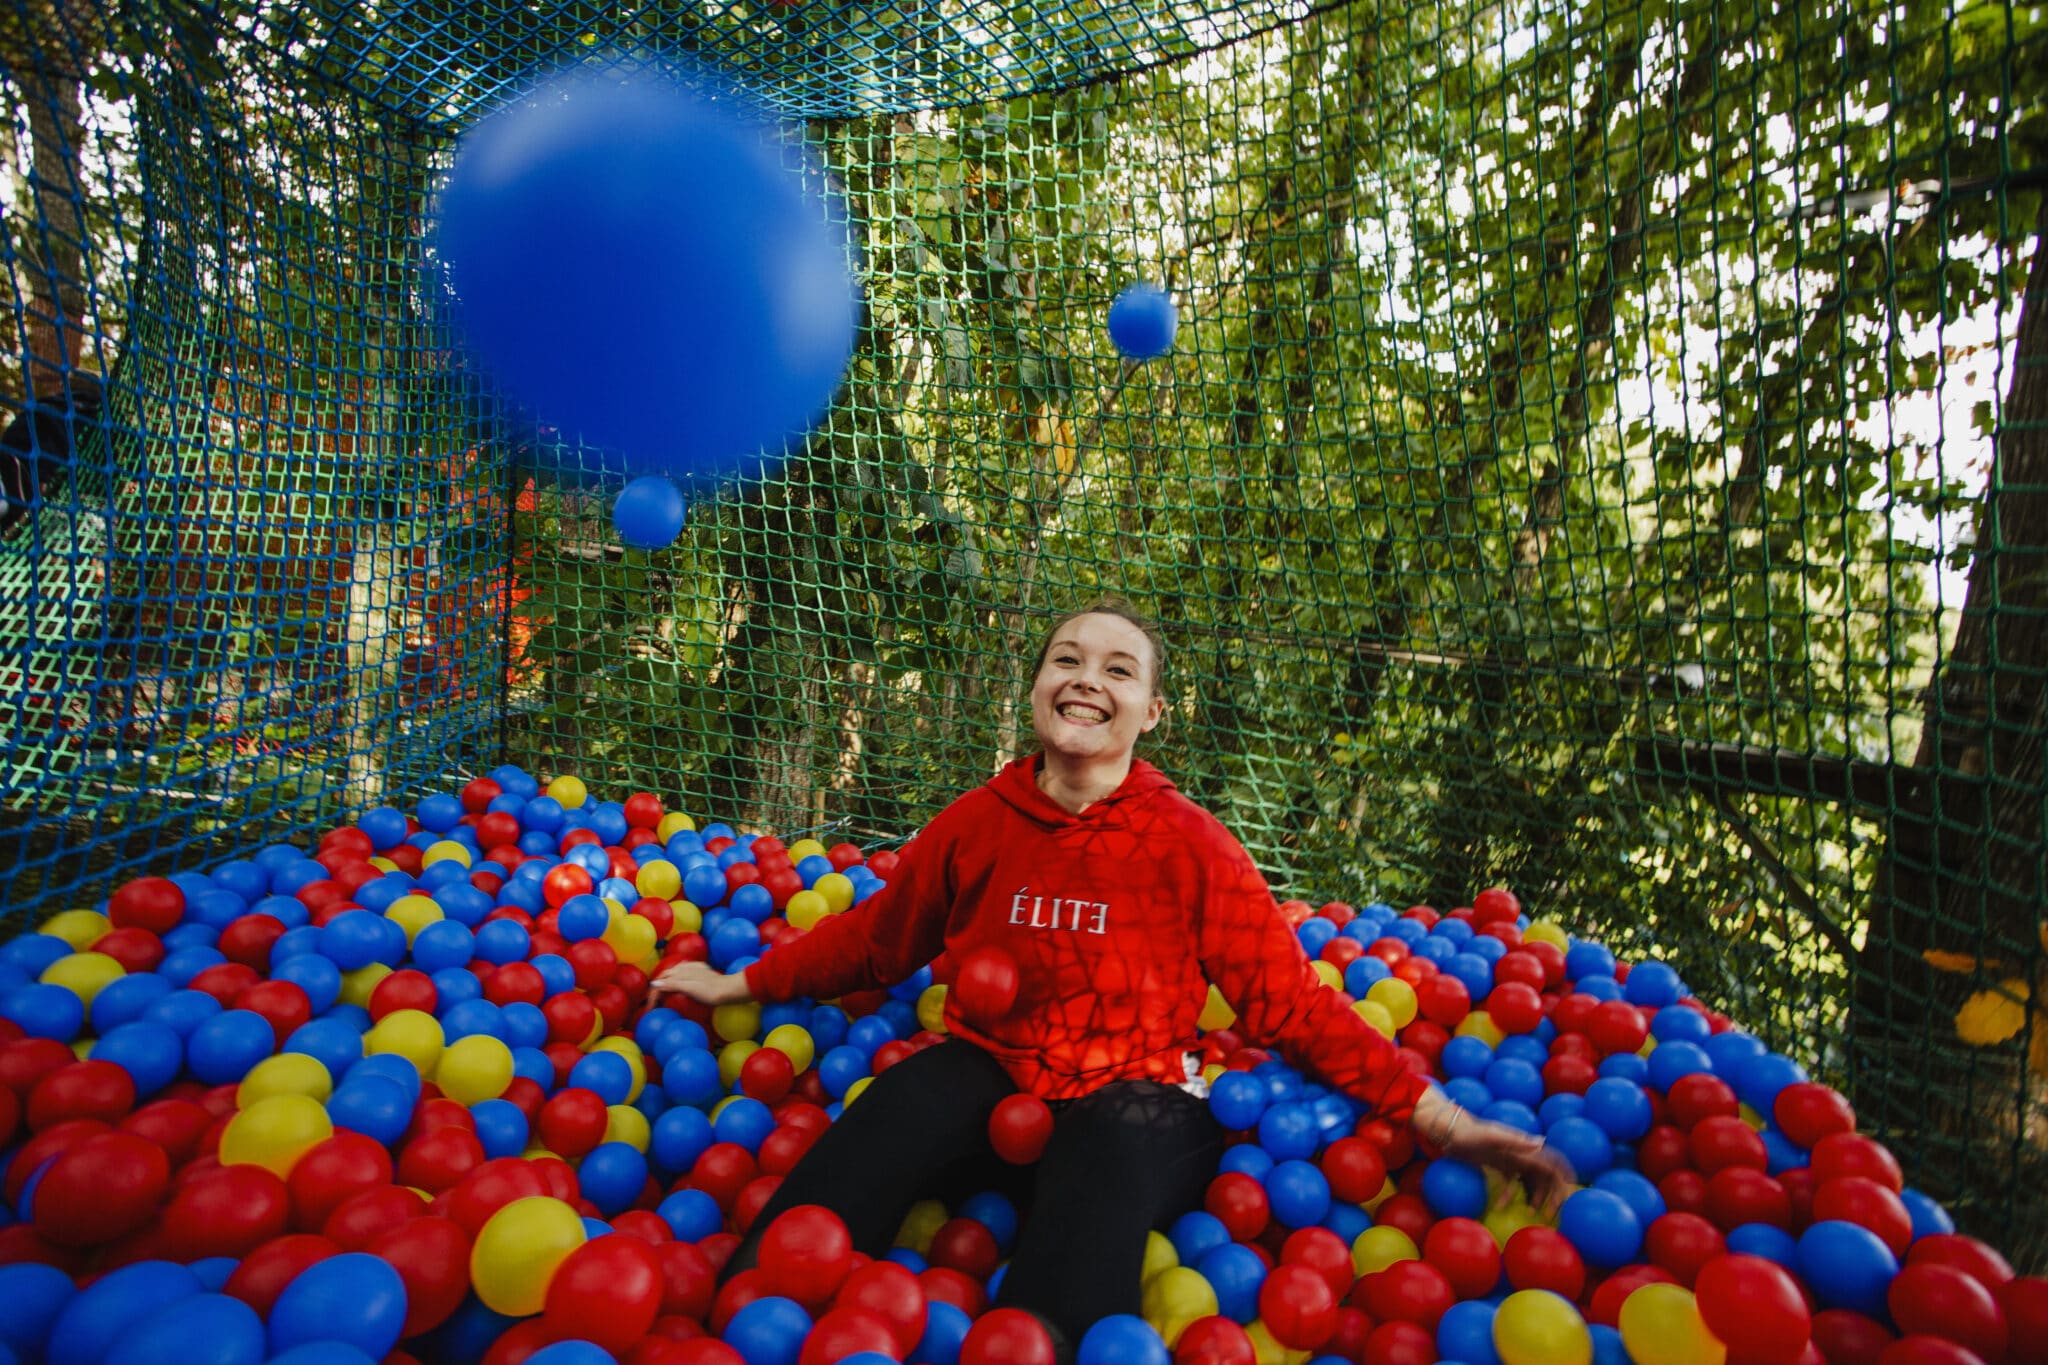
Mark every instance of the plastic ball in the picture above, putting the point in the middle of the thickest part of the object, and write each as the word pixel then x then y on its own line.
pixel 518 1250
pixel 205 1329
pixel 607 1291
pixel 1537 1327
pixel 1603 1227
pixel 1847 1266
pixel 275 1132
pixel 474 1069
pixel 718 223
pixel 649 513
pixel 1755 1307
pixel 1142 321
pixel 354 1298
pixel 1660 1325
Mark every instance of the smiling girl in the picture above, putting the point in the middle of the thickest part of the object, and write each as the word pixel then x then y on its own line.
pixel 1119 900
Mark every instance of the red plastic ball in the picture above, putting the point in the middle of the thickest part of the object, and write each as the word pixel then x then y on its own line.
pixel 436 1160
pixel 985 990
pixel 1297 1307
pixel 1239 1202
pixel 1515 1007
pixel 564 881
pixel 265 1272
pixel 752 1198
pixel 722 1171
pixel 950 1286
pixel 1966 1254
pixel 570 1016
pixel 1355 1169
pixel 1019 1129
pixel 1569 1074
pixel 1840 1154
pixel 1007 1336
pixel 1686 1192
pixel 965 1245
pixel 1701 1096
pixel 847 1331
pixel 891 1293
pixel 594 961
pixel 135 948
pixel 1466 1254
pixel 806 1254
pixel 1741 1194
pixel 608 1291
pixel 1617 1026
pixel 1443 1000
pixel 1408 1291
pixel 491 1186
pixel 1544 1258
pixel 573 1122
pixel 405 990
pixel 362 1218
pixel 1755 1307
pixel 688 1280
pixel 515 983
pixel 53 1141
pixel 224 981
pixel 2024 1301
pixel 172 1124
pixel 431 1256
pixel 152 903
pixel 284 1004
pixel 1324 1252
pixel 1214 1340
pixel 1807 1111
pixel 767 1075
pixel 1921 1349
pixel 1847 1338
pixel 1941 1301
pixel 103 1188
pixel 83 1090
pixel 226 1212
pixel 1681 1243
pixel 1718 1142
pixel 1861 1200
pixel 1400 1343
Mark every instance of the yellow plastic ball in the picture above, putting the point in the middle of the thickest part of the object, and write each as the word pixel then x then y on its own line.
pixel 1479 1024
pixel 570 791
pixel 855 1091
pixel 837 889
pixel 288 1073
pixel 658 878
pixel 79 928
pixel 357 985
pixel 275 1132
pixel 1159 1255
pixel 631 937
pixel 1388 1189
pixel 81 1048
pixel 383 864
pixel 1506 1220
pixel 474 1069
pixel 1327 973
pixel 83 974
pixel 1664 1328
pixel 1212 1071
pixel 689 919
pixel 672 824
pixel 722 1105
pixel 1750 1117
pixel 1379 1247
pixel 1216 1012
pixel 413 1034
pixel 1374 1013
pixel 412 914
pixel 444 851
pixel 518 1250
pixel 736 1022
pixel 795 1042
pixel 1174 1298
pixel 925 1218
pixel 732 1057
pixel 931 1009
pixel 1268 1350
pixel 805 909
pixel 1547 931
pixel 1537 1327
pixel 1396 997
pixel 805 848
pixel 624 1123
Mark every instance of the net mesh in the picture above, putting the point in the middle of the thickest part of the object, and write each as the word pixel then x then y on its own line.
pixel 1605 454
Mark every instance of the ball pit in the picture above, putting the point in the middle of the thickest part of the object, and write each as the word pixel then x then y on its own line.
pixel 378 1101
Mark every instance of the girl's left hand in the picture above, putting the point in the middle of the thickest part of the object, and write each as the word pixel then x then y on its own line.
pixel 1542 1170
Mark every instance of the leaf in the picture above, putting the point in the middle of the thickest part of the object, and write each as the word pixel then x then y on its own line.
pixel 1951 962
pixel 1995 1016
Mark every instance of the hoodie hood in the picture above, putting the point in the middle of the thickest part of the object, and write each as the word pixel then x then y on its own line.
pixel 1017 786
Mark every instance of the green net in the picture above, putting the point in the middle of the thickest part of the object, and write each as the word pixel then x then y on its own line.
pixel 1606 453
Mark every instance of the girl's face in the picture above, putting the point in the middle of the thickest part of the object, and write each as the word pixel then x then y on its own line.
pixel 1093 695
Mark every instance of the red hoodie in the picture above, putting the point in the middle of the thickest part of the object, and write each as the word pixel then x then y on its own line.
pixel 1118 919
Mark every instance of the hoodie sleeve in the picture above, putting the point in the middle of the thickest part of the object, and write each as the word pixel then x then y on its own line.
pixel 1258 964
pixel 875 944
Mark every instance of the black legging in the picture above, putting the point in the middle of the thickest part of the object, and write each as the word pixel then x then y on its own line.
pixel 1126 1159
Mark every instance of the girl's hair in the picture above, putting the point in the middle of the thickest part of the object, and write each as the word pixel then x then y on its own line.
pixel 1111 605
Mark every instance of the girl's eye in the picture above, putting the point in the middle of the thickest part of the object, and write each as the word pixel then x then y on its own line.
pixel 1120 669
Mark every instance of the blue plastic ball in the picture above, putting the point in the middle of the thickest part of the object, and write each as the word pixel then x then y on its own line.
pixel 1289 1130
pixel 649 513
pixel 1509 1079
pixel 691 1215
pixel 31 1297
pixel 500 941
pixel 727 282
pixel 1195 1235
pixel 224 1047
pixel 45 1011
pixel 679 1137
pixel 1672 1062
pixel 1620 1107
pixel 1584 1143
pixel 205 1329
pixel 1636 1191
pixel 123 999
pixel 574 1351
pixel 1762 1239
pixel 945 1327
pixel 371 1105
pixel 354 1298
pixel 1465 1333
pixel 1453 1189
pixel 1585 959
pixel 1248 1159
pixel 1121 1339
pixel 1603 1226
pixel 151 1054
pixel 994 1212
pixel 1560 1106
pixel 692 1078
pixel 100 1315
pixel 1758 1080
pixel 501 1127
pixel 1142 321
pixel 612 1176
pixel 1237 1099
pixel 1847 1266
pixel 1654 984
pixel 768 1331
pixel 606 1073
pixel 1299 1193
pixel 746 1122
pixel 1928 1216
pixel 385 827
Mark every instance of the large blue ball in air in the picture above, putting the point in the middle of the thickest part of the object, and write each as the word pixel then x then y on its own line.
pixel 1142 321
pixel 651 269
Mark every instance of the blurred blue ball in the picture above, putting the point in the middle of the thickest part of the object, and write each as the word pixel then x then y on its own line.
pixel 1465 1333
pixel 1453 1189
pixel 1298 1192
pixel 151 1054
pixel 994 1212
pixel 945 1327
pixel 679 1137
pixel 1247 1158
pixel 1603 1226
pixel 611 1176
pixel 1143 321
pixel 224 1047
pixel 1122 1339
pixel 31 1297
pixel 768 1331
pixel 374 1106
pixel 1847 1266
pixel 1620 1107
pixel 205 1329
pixel 123 999
pixel 355 1298
pixel 385 827
pixel 1584 1143
pixel 1636 1191
pixel 1584 959
pixel 1654 984
pixel 606 1073
pixel 1762 1239
pixel 45 1011
pixel 725 274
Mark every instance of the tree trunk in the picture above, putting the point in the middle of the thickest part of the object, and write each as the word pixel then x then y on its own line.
pixel 54 249
pixel 1970 881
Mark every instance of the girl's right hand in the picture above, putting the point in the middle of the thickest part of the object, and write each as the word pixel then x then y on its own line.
pixel 702 983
